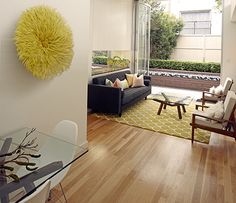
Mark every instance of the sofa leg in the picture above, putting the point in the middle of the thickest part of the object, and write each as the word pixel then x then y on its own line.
pixel 120 114
pixel 145 98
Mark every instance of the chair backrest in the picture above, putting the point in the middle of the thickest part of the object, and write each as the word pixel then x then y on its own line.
pixel 40 195
pixel 66 130
pixel 229 104
pixel 227 85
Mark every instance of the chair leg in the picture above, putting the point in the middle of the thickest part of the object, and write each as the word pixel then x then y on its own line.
pixel 50 195
pixel 192 134
pixel 63 192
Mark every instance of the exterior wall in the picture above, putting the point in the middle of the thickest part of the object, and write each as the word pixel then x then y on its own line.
pixel 112 25
pixel 202 48
pixel 176 6
pixel 184 83
pixel 229 41
pixel 27 101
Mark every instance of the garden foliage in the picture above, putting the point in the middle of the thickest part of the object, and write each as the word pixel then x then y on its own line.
pixel 185 65
pixel 165 29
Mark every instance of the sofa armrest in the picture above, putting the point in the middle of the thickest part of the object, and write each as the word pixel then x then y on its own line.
pixel 103 98
pixel 147 77
pixel 147 80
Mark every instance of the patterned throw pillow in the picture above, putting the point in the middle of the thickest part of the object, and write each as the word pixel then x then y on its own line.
pixel 130 78
pixel 123 84
pixel 117 83
pixel 138 81
pixel 109 83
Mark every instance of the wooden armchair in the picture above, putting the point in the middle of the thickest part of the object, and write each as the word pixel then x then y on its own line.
pixel 224 126
pixel 212 97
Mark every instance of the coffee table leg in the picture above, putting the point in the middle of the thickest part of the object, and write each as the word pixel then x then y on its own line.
pixel 164 106
pixel 183 107
pixel 179 112
pixel 160 108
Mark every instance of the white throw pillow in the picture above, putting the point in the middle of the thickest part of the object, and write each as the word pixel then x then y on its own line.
pixel 138 81
pixel 109 83
pixel 212 90
pixel 219 110
pixel 219 89
pixel 215 111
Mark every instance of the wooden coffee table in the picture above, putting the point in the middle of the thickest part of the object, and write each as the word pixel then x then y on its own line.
pixel 171 100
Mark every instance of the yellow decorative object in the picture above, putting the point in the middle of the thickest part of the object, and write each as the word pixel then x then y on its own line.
pixel 44 42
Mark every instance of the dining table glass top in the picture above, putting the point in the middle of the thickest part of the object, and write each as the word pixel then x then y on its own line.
pixel 33 157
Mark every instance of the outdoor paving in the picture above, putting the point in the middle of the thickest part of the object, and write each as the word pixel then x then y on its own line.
pixel 182 92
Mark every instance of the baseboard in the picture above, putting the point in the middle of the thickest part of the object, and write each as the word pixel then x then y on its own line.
pixel 85 145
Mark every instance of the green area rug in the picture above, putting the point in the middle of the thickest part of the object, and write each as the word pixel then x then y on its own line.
pixel 144 115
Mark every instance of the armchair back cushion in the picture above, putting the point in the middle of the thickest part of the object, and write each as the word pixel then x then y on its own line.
pixel 227 85
pixel 229 104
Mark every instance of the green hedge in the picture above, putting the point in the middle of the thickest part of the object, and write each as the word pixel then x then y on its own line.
pixel 185 65
pixel 100 60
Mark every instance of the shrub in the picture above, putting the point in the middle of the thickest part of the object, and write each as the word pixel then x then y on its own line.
pixel 100 60
pixel 165 29
pixel 116 61
pixel 185 65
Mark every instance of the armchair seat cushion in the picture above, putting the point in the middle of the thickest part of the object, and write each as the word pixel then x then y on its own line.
pixel 211 98
pixel 204 122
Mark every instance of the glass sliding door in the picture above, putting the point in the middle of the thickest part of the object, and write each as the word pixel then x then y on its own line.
pixel 142 38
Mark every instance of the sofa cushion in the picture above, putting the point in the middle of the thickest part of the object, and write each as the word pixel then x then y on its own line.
pixel 130 78
pixel 138 81
pixel 113 76
pixel 132 93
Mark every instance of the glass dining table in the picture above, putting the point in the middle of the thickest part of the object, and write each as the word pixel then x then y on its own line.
pixel 28 158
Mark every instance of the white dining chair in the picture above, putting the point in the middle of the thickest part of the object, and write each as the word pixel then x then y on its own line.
pixel 68 131
pixel 40 195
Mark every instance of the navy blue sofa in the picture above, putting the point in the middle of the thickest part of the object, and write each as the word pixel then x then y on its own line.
pixel 102 98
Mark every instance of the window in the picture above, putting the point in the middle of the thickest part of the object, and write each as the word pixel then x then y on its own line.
pixel 108 61
pixel 196 22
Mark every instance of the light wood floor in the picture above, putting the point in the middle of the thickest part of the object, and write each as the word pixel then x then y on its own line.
pixel 132 165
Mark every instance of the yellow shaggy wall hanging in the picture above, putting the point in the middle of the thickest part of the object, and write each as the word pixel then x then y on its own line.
pixel 44 42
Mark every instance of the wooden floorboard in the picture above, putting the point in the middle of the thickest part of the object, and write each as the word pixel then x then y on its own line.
pixel 132 165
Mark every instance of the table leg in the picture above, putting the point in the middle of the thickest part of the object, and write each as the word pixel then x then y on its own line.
pixel 164 106
pixel 183 107
pixel 179 112
pixel 160 108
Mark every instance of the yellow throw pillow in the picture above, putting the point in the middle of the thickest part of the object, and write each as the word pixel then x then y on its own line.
pixel 130 78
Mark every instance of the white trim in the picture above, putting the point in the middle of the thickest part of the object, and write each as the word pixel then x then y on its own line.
pixel 85 145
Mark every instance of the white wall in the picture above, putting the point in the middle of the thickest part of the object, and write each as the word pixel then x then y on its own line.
pixel 112 24
pixel 201 48
pixel 175 6
pixel 229 45
pixel 27 101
